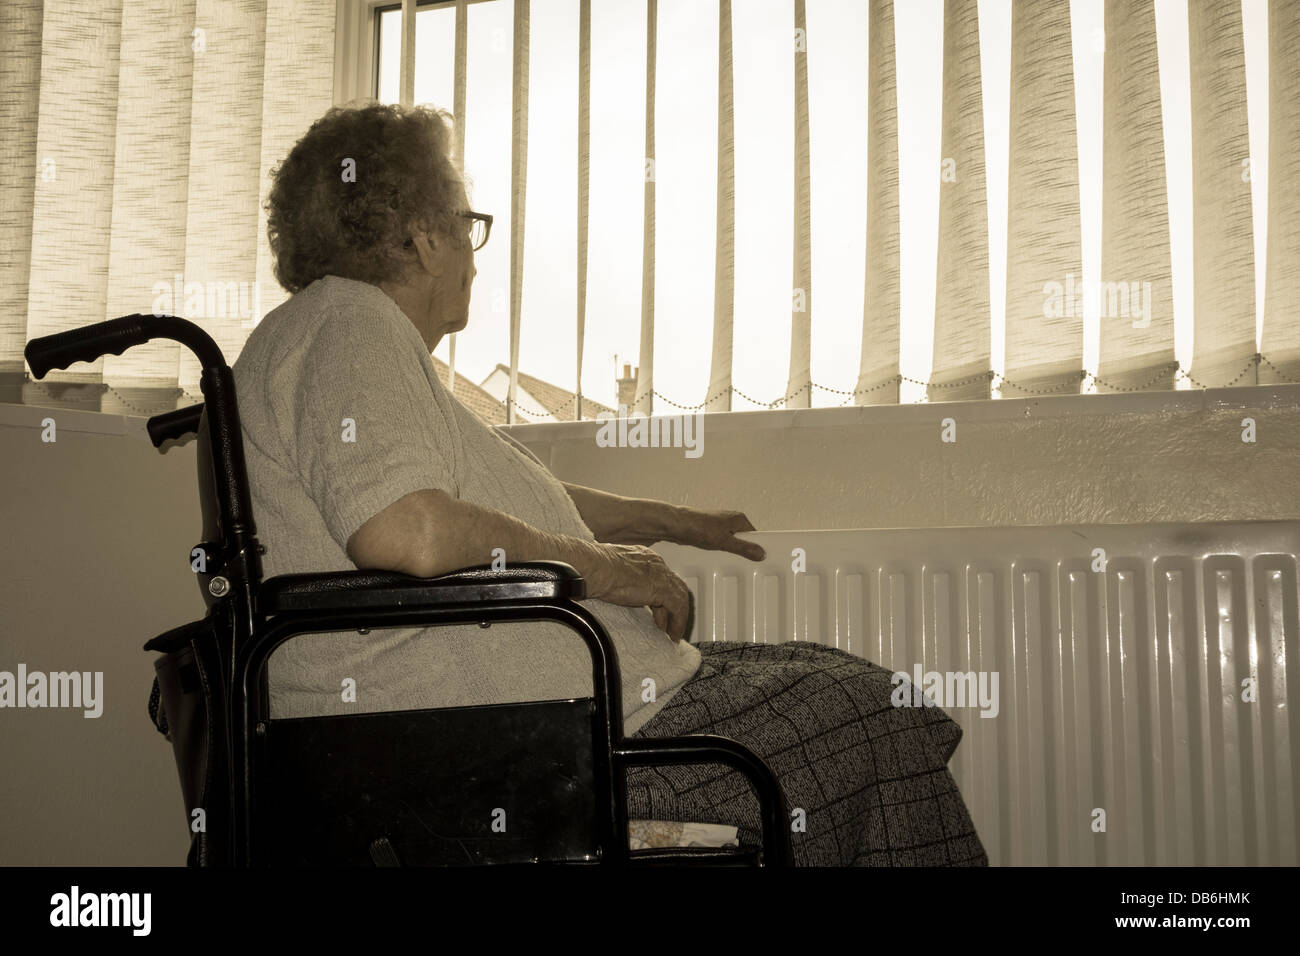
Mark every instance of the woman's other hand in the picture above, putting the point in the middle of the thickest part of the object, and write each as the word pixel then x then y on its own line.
pixel 633 575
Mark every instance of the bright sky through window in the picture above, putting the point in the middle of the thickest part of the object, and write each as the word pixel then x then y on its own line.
pixel 685 170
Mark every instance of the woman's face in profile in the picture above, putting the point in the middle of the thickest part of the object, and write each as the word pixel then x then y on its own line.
pixel 457 291
pixel 448 301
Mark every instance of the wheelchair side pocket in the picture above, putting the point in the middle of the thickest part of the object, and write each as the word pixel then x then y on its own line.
pixel 191 714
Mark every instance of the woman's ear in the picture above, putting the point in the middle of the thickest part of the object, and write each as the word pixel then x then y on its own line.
pixel 429 254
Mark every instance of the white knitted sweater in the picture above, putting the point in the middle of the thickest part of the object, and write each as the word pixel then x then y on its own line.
pixel 343 414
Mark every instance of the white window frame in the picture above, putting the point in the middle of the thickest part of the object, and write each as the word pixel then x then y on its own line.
pixel 356 43
pixel 356 46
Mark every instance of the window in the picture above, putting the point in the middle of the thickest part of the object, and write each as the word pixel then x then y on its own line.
pixel 685 171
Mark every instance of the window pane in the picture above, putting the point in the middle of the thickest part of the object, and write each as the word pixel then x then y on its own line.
pixel 617 183
pixel 390 55
pixel 763 72
pixel 686 176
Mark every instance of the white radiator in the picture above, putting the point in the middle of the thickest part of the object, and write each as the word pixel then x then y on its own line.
pixel 1119 689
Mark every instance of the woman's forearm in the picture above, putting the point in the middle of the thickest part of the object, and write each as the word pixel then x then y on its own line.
pixel 455 534
pixel 429 533
pixel 618 520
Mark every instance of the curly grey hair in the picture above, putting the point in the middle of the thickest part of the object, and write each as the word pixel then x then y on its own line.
pixel 319 223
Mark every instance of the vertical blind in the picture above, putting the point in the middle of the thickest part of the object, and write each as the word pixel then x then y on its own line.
pixel 72 205
pixel 1280 342
pixel 460 56
pixel 1136 348
pixel 878 379
pixel 150 171
pixel 584 182
pixel 961 305
pixel 142 135
pixel 518 187
pixel 20 80
pixel 1044 244
pixel 798 393
pixel 643 402
pixel 1223 249
pixel 724 269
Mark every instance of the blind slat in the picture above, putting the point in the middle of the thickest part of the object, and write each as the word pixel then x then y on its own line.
pixel 406 76
pixel 584 182
pixel 1223 250
pixel 518 188
pixel 297 90
pixel 798 392
pixel 150 188
pixel 1135 294
pixel 460 57
pixel 1044 341
pixel 221 226
pixel 718 398
pixel 961 304
pixel 644 403
pixel 75 142
pixel 1280 342
pixel 878 374
pixel 21 172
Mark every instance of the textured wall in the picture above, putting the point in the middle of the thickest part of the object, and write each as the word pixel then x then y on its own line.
pixel 1110 459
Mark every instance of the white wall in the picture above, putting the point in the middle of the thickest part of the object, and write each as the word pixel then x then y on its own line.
pixel 1108 459
pixel 98 527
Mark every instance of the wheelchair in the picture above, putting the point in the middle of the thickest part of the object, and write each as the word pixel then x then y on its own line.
pixel 511 784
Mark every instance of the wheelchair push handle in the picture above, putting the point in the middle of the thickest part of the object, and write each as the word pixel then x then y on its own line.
pixel 217 382
pixel 84 344
pixel 175 424
pixel 113 338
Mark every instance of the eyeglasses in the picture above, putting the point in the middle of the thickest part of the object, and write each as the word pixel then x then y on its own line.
pixel 479 230
pixel 480 227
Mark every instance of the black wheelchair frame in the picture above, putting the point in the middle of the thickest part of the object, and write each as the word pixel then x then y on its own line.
pixel 372 788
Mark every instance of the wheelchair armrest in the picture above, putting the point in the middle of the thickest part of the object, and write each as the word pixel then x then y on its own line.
pixel 711 748
pixel 338 590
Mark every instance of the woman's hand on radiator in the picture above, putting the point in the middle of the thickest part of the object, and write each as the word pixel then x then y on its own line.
pixel 615 519
pixel 636 576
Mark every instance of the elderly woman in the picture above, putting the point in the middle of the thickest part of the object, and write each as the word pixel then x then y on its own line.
pixel 359 457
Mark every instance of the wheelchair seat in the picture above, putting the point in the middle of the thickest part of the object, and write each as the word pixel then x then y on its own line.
pixel 535 782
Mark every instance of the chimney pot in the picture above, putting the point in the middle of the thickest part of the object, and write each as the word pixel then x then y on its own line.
pixel 626 386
